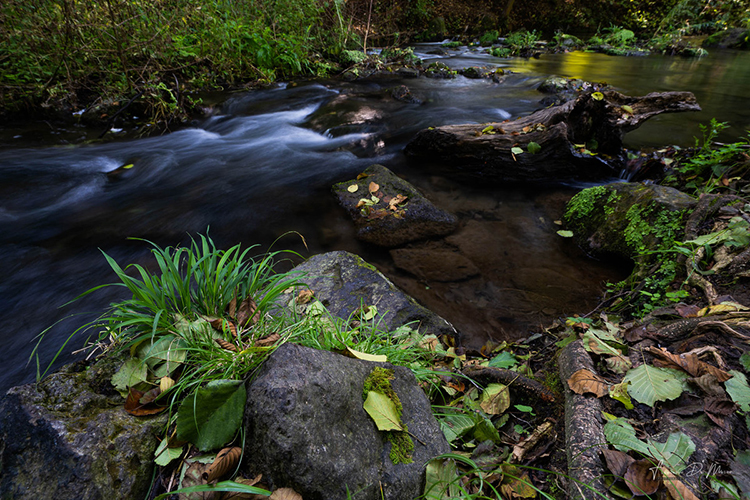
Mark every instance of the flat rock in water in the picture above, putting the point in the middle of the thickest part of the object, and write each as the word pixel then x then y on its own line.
pixel 69 437
pixel 344 282
pixel 434 265
pixel 393 211
pixel 307 429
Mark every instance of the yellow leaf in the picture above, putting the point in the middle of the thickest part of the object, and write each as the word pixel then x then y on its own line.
pixel 367 357
pixel 353 188
pixel 627 109
pixel 166 383
pixel 597 96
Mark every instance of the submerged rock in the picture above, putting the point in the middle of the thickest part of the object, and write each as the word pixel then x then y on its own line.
pixel 69 437
pixel 344 282
pixel 307 429
pixel 434 265
pixel 388 211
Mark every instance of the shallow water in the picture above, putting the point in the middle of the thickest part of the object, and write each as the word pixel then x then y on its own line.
pixel 263 166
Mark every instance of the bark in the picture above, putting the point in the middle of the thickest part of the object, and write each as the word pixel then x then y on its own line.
pixel 559 130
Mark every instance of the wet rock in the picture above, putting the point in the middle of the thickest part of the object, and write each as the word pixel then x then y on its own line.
pixel 306 428
pixel 403 94
pixel 439 70
pixel 434 265
pixel 344 282
pixel 70 438
pixel 475 72
pixel 620 218
pixel 390 222
pixel 735 38
pixel 408 72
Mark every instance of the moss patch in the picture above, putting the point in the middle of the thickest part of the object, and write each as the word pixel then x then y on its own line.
pixel 401 444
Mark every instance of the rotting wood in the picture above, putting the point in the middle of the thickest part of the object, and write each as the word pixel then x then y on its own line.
pixel 584 433
pixel 486 150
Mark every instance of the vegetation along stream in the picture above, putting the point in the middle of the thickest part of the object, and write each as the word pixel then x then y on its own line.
pixel 262 166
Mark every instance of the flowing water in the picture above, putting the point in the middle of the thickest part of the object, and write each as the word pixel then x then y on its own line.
pixel 263 165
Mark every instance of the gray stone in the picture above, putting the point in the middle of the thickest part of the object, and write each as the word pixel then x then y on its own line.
pixel 307 429
pixel 70 438
pixel 413 220
pixel 344 282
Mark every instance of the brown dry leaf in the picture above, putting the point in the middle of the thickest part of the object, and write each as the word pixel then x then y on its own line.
pixel 677 488
pixel 305 296
pixel 709 384
pixel 267 341
pixel 687 311
pixel 373 188
pixel 285 494
pixel 193 477
pixel 617 462
pixel 718 408
pixel 135 407
pixel 222 325
pixel 396 200
pixel 150 396
pixel 362 176
pixel 226 345
pixel 247 312
pixel 584 381
pixel 361 203
pixel 689 362
pixel 236 495
pixel 642 477
pixel 226 461
pixel 232 307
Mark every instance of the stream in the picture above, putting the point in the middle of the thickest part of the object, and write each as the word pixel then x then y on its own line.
pixel 259 171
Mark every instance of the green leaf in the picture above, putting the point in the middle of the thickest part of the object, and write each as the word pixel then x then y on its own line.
pixel 621 435
pixel 597 96
pixel 132 372
pixel 503 360
pixel 565 233
pixel 738 389
pixel 533 148
pixel 210 417
pixel 383 412
pixel 516 151
pixel 165 355
pixel 627 109
pixel 649 384
pixel 619 392
pixel 495 399
pixel 441 481
pixel 164 455
pixel 674 452
pixel 484 430
pixel 745 360
pixel 455 425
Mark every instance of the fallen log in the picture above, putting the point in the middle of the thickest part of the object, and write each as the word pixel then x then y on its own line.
pixel 573 138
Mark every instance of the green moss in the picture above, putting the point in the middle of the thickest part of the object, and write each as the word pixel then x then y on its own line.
pixel 582 204
pixel 402 446
pixel 363 263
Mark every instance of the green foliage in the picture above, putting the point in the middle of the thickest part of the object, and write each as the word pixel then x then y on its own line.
pixel 522 41
pixel 210 417
pixel 618 37
pixel 500 52
pixel 489 38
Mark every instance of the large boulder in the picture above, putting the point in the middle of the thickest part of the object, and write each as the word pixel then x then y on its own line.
pixel 624 219
pixel 400 215
pixel 307 429
pixel 344 283
pixel 69 437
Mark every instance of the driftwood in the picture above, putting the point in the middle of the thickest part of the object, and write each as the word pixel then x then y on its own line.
pixel 601 119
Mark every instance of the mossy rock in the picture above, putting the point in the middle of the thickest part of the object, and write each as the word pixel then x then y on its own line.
pixel 735 38
pixel 624 220
pixel 68 437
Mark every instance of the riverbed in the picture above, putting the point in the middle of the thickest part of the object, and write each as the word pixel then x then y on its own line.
pixel 258 171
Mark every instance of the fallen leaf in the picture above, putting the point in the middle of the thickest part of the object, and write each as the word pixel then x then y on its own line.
pixel 675 487
pixel 268 341
pixel 383 411
pixel 627 109
pixel 687 311
pixel 353 188
pixel 135 407
pixel 150 396
pixel 166 383
pixel 373 188
pixel 396 200
pixel 642 477
pixel 597 96
pixel 565 233
pixel 688 362
pixel 495 399
pixel 584 381
pixel 364 356
pixel 226 461
pixel 246 312
pixel 285 494
pixel 362 176
pixel 617 461
pixel 193 477
pixel 236 495
pixel 226 345
pixel 718 408
pixel 305 296
pixel 709 384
